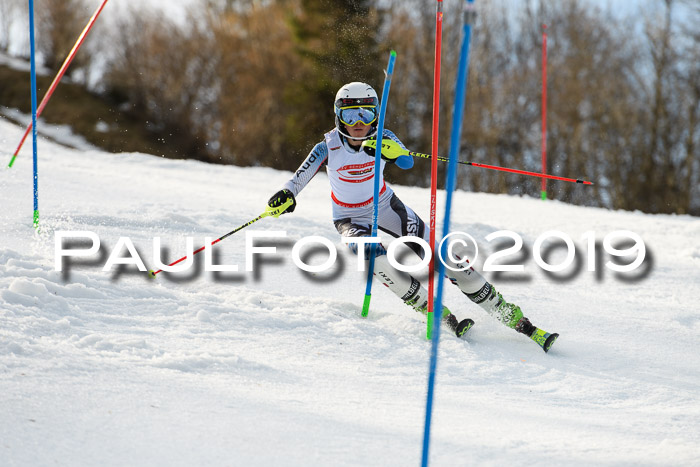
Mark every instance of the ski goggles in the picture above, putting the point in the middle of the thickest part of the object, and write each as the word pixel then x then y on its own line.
pixel 351 116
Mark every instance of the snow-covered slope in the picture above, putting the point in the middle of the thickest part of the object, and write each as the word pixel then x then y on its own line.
pixel 277 367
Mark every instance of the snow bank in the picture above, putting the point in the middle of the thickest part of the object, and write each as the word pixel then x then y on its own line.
pixel 277 367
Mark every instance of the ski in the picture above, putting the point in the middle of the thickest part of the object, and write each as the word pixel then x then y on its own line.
pixel 464 326
pixel 460 328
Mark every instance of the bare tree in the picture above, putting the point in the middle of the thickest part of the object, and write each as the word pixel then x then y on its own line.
pixel 690 79
pixel 7 17
pixel 166 73
pixel 59 24
pixel 255 64
pixel 668 165
pixel 242 83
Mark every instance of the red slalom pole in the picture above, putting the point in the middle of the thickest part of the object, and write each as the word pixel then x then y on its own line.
pixel 544 109
pixel 434 164
pixel 60 74
pixel 394 150
pixel 505 169
pixel 525 172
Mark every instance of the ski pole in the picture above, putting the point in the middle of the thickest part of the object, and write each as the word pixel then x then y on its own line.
pixel 270 211
pixel 60 74
pixel 393 149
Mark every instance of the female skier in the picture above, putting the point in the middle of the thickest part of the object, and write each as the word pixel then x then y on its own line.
pixel 351 174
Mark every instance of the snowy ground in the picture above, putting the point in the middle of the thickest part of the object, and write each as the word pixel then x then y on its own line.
pixel 278 368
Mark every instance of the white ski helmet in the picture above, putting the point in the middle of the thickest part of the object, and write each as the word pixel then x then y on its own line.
pixel 356 102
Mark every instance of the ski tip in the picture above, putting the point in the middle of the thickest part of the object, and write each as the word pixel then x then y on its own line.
pixel 543 338
pixel 151 274
pixel 548 343
pixel 464 326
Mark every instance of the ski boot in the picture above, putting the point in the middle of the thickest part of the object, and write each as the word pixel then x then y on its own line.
pixel 541 337
pixel 458 327
pixel 511 315
pixel 507 313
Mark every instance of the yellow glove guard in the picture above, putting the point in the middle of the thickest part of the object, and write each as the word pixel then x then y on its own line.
pixel 276 212
pixel 390 149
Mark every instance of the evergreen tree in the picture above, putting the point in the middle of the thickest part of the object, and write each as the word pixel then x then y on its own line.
pixel 337 43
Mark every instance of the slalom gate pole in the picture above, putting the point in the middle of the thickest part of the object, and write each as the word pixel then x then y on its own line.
pixel 35 221
pixel 544 110
pixel 58 77
pixel 506 169
pixel 458 113
pixel 434 164
pixel 396 150
pixel 377 170
pixel 274 212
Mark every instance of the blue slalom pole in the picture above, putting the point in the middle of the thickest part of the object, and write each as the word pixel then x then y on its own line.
pixel 377 169
pixel 450 186
pixel 33 84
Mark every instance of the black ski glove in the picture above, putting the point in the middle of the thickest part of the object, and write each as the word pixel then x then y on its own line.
pixel 281 197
